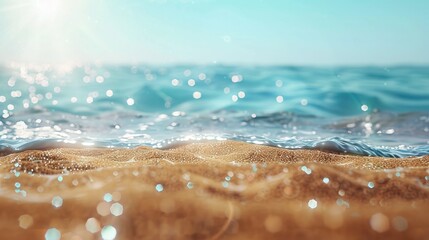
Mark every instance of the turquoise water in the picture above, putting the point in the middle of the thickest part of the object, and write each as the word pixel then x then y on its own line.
pixel 359 110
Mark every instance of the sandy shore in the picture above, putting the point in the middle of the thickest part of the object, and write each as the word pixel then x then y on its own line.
pixel 211 190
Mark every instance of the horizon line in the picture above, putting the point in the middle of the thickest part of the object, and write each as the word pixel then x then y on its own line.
pixel 207 64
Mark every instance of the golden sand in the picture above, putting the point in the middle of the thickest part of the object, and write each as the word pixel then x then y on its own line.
pixel 212 190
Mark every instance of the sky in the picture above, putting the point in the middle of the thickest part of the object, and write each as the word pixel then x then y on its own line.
pixel 261 32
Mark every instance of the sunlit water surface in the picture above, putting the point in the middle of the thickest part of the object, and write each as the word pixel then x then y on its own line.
pixel 359 110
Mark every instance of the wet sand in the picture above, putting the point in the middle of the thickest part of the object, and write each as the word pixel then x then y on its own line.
pixel 212 190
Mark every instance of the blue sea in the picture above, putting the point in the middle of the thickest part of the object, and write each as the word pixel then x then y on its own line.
pixel 375 111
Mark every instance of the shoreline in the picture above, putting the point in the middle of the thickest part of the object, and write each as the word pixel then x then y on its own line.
pixel 214 190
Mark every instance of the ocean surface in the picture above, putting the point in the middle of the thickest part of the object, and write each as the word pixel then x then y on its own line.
pixel 375 111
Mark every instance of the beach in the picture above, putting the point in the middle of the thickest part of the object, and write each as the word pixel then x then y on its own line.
pixel 211 190
pixel 201 119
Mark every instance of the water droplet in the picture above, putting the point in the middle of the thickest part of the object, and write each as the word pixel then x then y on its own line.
pixel 325 180
pixel 92 225
pixel 109 93
pixel 108 232
pixel 99 79
pixel 312 204
pixel 304 102
pixel 279 99
pixel 52 234
pixel 306 170
pixel 191 82
pixel 108 197
pixel 241 94
pixel 371 185
pixel 116 209
pixel 364 108
pixel 159 187
pixel 390 131
pixel 130 101
pixel 57 201
pixel 236 78
pixel 196 95
pixel 175 82
pixel 202 76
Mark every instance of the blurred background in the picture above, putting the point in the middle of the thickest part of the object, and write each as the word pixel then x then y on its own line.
pixel 289 32
pixel 348 76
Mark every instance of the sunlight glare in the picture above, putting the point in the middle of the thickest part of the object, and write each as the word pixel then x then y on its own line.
pixel 47 9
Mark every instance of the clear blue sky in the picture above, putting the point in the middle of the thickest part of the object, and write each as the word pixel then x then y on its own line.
pixel 297 32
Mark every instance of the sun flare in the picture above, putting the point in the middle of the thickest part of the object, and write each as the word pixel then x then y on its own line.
pixel 47 9
pixel 47 30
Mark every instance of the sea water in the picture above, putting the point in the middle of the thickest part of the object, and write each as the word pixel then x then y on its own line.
pixel 375 111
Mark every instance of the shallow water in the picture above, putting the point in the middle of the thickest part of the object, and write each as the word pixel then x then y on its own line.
pixel 359 110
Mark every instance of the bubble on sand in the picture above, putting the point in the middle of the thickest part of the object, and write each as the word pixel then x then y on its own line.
pixel 159 187
pixel 52 234
pixel 92 225
pixel 312 204
pixel 108 197
pixel 57 201
pixel 116 209
pixel 103 208
pixel 108 232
